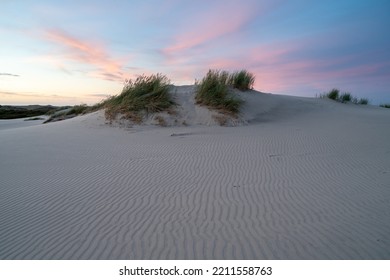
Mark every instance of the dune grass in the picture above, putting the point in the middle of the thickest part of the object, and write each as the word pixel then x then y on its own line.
pixel 333 94
pixel 363 101
pixel 68 112
pixel 145 94
pixel 214 89
pixel 345 97
pixel 79 109
pixel 242 80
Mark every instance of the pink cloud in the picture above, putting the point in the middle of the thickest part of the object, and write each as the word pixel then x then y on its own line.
pixel 277 69
pixel 313 76
pixel 87 53
pixel 217 22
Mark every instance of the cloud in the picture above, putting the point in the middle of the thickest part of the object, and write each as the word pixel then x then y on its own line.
pixel 17 94
pixel 301 68
pixel 9 74
pixel 218 21
pixel 87 53
pixel 14 97
pixel 119 76
pixel 29 94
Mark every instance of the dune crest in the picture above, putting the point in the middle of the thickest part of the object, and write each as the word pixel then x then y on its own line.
pixel 256 107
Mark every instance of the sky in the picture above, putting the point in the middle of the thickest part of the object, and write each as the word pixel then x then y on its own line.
pixel 74 52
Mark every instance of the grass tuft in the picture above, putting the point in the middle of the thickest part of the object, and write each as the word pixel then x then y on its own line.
pixel 363 101
pixel 242 80
pixel 333 94
pixel 345 97
pixel 385 106
pixel 213 91
pixel 145 94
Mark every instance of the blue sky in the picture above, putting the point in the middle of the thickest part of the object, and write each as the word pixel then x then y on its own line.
pixel 72 52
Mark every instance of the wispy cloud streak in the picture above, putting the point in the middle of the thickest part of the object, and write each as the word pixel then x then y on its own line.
pixel 84 52
pixel 21 94
pixel 206 27
pixel 9 74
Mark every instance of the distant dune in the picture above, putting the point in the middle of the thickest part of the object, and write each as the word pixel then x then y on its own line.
pixel 289 178
pixel 14 112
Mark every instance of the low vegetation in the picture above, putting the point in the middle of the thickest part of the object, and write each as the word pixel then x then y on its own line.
pixel 33 111
pixel 362 101
pixel 14 112
pixel 385 106
pixel 214 89
pixel 68 112
pixel 345 97
pixel 79 109
pixel 333 94
pixel 146 94
pixel 242 80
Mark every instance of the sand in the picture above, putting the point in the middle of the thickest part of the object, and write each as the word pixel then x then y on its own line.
pixel 20 123
pixel 297 178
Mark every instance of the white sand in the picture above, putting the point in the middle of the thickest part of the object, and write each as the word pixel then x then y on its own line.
pixel 21 122
pixel 305 179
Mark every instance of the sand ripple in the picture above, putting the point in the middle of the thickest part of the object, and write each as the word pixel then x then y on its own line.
pixel 287 191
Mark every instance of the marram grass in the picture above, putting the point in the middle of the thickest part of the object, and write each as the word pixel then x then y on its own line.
pixel 147 94
pixel 214 89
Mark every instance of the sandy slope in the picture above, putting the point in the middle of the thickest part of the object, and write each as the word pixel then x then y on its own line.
pixel 305 179
pixel 19 123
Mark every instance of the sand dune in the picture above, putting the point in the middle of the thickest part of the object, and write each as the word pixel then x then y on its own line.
pixel 299 178
pixel 20 123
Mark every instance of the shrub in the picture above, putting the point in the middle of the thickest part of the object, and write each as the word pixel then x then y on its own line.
pixel 385 106
pixel 146 93
pixel 345 97
pixel 333 94
pixel 213 91
pixel 242 80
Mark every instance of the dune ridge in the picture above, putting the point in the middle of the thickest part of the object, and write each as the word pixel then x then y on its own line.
pixel 299 178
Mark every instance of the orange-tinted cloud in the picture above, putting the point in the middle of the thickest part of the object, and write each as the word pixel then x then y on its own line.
pixel 87 53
